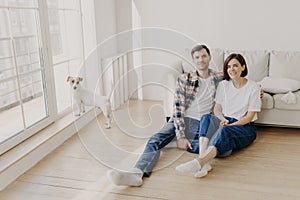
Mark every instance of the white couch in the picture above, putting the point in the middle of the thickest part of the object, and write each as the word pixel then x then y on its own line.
pixel 282 70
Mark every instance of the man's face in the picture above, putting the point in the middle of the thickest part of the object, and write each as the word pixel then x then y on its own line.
pixel 201 59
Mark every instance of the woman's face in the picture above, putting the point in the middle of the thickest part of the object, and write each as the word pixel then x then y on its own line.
pixel 234 69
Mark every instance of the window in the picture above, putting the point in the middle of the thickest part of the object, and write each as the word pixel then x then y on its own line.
pixel 26 90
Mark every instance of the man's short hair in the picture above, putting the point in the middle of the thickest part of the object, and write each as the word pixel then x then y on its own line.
pixel 199 48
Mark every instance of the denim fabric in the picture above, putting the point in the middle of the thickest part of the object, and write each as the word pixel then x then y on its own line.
pixel 151 154
pixel 226 138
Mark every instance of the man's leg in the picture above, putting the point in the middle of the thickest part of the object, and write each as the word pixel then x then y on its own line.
pixel 148 159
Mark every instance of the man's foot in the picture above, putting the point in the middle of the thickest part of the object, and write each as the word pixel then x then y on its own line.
pixel 132 178
pixel 191 166
pixel 203 171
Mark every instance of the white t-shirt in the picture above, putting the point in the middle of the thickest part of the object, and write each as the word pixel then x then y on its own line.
pixel 204 101
pixel 236 102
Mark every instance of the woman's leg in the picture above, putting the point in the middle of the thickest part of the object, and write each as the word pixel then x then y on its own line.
pixel 204 131
pixel 207 126
pixel 224 140
pixel 229 138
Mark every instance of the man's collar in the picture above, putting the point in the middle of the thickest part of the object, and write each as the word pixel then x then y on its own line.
pixel 194 75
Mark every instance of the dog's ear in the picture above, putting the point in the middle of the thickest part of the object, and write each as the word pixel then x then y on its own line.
pixel 69 78
pixel 80 78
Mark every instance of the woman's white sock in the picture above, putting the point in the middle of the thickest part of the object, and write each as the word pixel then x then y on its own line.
pixel 191 166
pixel 203 171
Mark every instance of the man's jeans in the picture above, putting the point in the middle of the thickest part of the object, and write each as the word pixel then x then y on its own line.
pixel 151 154
pixel 226 138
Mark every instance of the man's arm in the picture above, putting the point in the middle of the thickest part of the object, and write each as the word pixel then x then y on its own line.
pixel 179 107
pixel 178 113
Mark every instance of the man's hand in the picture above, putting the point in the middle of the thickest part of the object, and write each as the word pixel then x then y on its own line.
pixel 184 143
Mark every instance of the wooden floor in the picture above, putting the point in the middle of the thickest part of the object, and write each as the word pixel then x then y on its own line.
pixel 268 169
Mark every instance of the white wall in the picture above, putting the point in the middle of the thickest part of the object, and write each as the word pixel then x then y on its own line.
pixel 227 24
pixel 106 27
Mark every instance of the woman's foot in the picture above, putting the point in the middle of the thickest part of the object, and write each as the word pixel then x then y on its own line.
pixel 191 166
pixel 203 171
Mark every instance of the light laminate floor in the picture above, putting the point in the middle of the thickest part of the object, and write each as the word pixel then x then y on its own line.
pixel 268 169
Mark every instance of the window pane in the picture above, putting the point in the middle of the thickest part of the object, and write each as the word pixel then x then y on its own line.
pixel 4 31
pixel 33 98
pixel 22 85
pixel 63 97
pixel 11 121
pixel 67 46
pixel 19 3
pixel 29 68
pixel 64 4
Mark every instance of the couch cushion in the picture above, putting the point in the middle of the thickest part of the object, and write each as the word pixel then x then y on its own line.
pixel 279 85
pixel 268 102
pixel 187 65
pixel 217 59
pixel 285 65
pixel 257 63
pixel 279 104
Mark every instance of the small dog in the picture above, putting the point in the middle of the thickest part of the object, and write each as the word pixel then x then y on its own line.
pixel 82 97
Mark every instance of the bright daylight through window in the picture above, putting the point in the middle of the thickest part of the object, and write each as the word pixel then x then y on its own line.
pixel 28 68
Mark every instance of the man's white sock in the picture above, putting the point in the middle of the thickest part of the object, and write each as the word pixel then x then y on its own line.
pixel 191 166
pixel 132 178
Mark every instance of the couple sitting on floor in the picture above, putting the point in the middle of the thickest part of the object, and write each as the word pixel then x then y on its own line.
pixel 232 98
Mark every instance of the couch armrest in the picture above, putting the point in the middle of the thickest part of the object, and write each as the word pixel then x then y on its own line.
pixel 169 95
pixel 170 84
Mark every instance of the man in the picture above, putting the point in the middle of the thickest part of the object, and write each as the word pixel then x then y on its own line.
pixel 194 97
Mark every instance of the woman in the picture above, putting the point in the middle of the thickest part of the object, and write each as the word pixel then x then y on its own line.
pixel 231 127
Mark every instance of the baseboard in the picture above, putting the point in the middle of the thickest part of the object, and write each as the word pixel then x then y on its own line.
pixel 18 160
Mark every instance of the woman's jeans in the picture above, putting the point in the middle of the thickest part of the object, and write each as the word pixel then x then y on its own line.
pixel 226 138
pixel 151 154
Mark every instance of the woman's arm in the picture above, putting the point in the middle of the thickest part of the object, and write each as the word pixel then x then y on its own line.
pixel 219 114
pixel 244 120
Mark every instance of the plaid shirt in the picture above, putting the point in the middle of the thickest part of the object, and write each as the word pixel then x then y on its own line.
pixel 186 89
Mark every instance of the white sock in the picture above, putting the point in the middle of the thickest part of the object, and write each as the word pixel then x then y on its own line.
pixel 131 178
pixel 203 171
pixel 191 166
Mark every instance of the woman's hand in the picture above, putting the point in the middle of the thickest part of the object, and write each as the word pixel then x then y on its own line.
pixel 224 122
